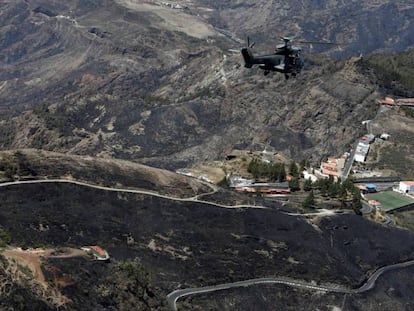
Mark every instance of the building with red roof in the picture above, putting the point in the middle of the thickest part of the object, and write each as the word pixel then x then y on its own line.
pixel 97 252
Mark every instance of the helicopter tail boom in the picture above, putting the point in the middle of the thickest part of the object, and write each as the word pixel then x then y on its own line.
pixel 248 57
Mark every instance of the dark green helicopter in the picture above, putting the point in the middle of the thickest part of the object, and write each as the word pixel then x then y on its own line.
pixel 286 58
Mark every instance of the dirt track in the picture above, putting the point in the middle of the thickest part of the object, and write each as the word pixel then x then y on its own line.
pixel 33 260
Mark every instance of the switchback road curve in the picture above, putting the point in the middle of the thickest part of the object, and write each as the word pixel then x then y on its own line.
pixel 369 284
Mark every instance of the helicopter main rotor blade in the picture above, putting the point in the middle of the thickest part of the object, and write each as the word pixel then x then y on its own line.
pixel 287 38
pixel 320 42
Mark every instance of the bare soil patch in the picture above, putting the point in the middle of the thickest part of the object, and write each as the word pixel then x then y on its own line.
pixel 173 19
pixel 31 261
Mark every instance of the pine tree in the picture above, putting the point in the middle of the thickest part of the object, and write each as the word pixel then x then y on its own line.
pixel 294 184
pixel 282 174
pixel 293 169
pixel 356 201
pixel 307 185
pixel 309 201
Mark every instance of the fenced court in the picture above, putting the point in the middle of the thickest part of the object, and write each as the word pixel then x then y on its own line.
pixel 390 200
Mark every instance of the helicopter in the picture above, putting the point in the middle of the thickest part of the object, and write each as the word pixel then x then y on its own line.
pixel 286 58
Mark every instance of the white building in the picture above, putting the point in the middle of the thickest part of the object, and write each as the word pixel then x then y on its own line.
pixel 361 152
pixel 238 181
pixel 385 136
pixel 406 187
pixel 310 176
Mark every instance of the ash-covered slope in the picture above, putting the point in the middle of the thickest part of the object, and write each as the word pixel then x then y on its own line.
pixel 147 82
pixel 158 244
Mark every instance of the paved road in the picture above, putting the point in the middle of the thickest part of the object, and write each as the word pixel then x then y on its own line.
pixel 369 284
pixel 349 162
pixel 322 212
pixel 136 191
pixel 175 295
pixel 195 199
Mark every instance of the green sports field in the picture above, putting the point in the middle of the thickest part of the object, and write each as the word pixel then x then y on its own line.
pixel 390 199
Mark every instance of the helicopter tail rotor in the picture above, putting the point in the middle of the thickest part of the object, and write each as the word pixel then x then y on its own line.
pixel 250 45
pixel 248 54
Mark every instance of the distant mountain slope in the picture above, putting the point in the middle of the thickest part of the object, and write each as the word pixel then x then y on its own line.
pixel 51 49
pixel 364 26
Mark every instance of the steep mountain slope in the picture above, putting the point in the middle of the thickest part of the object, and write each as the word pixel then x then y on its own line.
pixel 30 164
pixel 130 80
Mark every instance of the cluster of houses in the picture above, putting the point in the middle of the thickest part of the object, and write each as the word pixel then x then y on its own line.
pixel 333 166
pixel 171 5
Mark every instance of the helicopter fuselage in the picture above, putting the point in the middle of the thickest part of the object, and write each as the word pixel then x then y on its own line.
pixel 285 59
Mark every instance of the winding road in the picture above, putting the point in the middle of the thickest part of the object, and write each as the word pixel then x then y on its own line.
pixel 195 199
pixel 126 190
pixel 369 284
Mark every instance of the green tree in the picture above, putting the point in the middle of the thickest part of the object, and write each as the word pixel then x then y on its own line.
pixel 294 184
pixel 409 112
pixel 293 169
pixel 282 174
pixel 323 185
pixel 356 201
pixel 5 237
pixel 304 164
pixel 307 184
pixel 224 182
pixel 343 194
pixel 270 171
pixel 309 201
pixel 334 189
pixel 130 287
